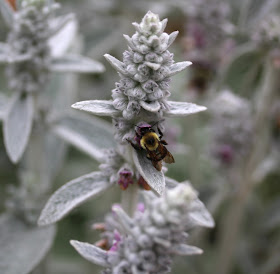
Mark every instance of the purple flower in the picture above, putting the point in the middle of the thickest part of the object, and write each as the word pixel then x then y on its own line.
pixel 125 178
pixel 117 239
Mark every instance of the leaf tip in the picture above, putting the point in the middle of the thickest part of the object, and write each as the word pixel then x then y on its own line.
pixel 76 105
pixel 74 243
pixel 42 221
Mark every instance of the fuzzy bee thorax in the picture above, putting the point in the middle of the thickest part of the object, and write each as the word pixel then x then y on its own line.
pixel 150 140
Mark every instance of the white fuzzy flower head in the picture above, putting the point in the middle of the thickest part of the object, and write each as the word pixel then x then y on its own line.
pixel 28 42
pixel 148 242
pixel 150 24
pixel 232 128
pixel 182 194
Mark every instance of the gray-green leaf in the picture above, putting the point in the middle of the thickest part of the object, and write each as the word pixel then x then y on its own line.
pixel 22 246
pixel 89 134
pixel 183 109
pixel 62 40
pixel 116 64
pixel 76 63
pixel 185 250
pixel 18 125
pixel 242 73
pixel 58 23
pixel 91 253
pixel 172 37
pixel 97 107
pixel 151 175
pixel 72 195
pixel 178 67
pixel 7 12
pixel 200 215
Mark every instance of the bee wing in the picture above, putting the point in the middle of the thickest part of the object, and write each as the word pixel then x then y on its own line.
pixel 157 165
pixel 169 158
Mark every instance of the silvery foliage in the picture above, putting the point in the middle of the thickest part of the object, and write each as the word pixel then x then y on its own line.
pixel 148 242
pixel 232 128
pixel 35 47
pixel 81 189
pixel 140 95
pixel 27 244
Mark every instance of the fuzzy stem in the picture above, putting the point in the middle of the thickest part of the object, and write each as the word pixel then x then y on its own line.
pixel 233 222
pixel 130 199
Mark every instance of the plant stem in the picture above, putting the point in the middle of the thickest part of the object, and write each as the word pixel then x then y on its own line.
pixel 130 199
pixel 232 226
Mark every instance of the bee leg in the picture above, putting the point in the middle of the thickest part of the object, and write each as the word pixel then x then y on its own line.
pixel 160 133
pixel 164 142
pixel 136 147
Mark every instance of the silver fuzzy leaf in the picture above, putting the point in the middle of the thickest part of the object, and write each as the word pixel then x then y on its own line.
pixel 89 134
pixel 153 177
pixel 182 109
pixel 72 195
pixel 91 253
pixel 75 63
pixel 18 125
pixel 97 107
pixel 27 245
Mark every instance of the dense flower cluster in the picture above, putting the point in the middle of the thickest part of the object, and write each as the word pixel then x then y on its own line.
pixel 118 171
pixel 148 242
pixel 232 128
pixel 111 164
pixel 25 200
pixel 146 68
pixel 145 76
pixel 29 60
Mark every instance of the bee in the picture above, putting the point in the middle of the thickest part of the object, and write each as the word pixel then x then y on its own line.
pixel 146 138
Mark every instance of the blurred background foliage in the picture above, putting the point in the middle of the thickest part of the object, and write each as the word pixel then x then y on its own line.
pixel 229 50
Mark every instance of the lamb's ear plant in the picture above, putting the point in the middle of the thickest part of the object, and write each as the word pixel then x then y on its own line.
pixel 147 242
pixel 34 120
pixel 35 47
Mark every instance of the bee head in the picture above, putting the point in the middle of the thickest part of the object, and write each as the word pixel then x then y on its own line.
pixel 142 128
